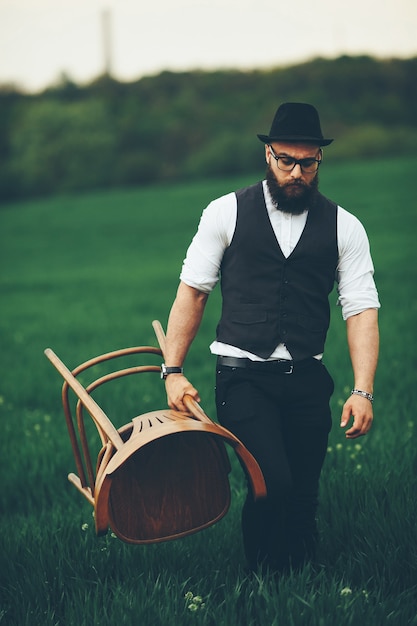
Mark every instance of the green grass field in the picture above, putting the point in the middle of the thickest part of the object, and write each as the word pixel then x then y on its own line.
pixel 88 274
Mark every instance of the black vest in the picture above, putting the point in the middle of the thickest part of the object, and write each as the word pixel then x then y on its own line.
pixel 269 299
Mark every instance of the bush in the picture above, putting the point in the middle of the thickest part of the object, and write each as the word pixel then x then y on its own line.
pixel 62 147
pixel 374 140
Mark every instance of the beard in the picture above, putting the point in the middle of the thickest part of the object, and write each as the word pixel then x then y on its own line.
pixel 292 197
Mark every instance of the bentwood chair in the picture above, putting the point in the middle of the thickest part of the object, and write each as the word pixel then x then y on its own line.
pixel 161 476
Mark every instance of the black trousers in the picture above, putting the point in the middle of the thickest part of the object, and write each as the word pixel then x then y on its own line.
pixel 284 420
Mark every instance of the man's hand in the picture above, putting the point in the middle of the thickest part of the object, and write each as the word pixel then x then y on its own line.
pixel 177 386
pixel 361 410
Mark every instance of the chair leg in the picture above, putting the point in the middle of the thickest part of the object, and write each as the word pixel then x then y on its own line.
pixel 86 491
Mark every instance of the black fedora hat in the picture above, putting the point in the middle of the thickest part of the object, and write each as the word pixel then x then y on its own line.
pixel 296 122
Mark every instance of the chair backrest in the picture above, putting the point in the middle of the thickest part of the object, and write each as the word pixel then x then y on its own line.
pixel 162 475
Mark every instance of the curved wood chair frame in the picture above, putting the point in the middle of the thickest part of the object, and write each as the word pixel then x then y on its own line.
pixel 124 486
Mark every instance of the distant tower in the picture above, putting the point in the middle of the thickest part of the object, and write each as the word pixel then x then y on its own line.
pixel 107 48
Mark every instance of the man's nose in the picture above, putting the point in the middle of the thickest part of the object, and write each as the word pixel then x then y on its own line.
pixel 297 172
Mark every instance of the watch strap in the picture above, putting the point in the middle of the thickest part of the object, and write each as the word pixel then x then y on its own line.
pixel 166 371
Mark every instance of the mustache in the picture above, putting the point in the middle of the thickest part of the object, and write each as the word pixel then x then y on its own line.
pixel 295 183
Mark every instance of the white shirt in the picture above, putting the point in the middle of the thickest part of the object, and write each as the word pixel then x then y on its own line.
pixel 354 272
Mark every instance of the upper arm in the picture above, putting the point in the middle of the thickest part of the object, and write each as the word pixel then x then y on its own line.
pixel 201 266
pixel 355 271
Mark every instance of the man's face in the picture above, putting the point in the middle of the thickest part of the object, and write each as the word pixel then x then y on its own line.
pixel 295 190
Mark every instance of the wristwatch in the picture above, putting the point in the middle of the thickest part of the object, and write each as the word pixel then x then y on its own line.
pixel 166 371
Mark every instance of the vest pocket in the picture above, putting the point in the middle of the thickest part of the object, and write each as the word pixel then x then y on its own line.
pixel 249 314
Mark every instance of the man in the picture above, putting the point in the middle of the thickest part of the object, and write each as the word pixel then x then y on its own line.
pixel 278 246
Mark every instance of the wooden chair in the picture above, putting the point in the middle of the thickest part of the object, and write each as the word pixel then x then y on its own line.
pixel 163 475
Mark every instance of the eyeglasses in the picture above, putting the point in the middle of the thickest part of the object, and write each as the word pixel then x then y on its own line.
pixel 287 163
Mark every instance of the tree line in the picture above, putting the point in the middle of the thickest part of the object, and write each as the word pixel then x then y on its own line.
pixel 178 126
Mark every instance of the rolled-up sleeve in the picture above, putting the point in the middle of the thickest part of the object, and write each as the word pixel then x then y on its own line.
pixel 355 272
pixel 201 266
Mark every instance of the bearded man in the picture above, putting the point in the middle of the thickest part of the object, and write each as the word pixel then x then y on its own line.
pixel 277 248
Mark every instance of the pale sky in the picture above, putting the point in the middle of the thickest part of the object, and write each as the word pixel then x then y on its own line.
pixel 41 39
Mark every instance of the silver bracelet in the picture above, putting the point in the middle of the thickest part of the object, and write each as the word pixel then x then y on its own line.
pixel 364 394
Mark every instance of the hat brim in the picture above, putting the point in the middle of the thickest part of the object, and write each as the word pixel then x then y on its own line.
pixel 295 139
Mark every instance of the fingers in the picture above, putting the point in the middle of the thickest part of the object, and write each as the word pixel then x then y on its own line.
pixel 361 410
pixel 354 432
pixel 177 386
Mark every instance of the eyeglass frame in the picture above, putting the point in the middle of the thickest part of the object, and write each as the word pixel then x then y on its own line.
pixel 296 162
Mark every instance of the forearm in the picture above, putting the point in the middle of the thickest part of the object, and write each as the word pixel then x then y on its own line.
pixel 183 323
pixel 363 342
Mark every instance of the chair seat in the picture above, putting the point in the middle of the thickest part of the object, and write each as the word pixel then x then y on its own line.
pixel 168 488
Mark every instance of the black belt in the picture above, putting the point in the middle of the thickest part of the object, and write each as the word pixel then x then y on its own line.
pixel 281 366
